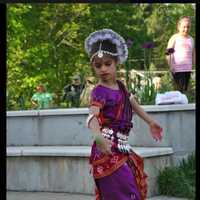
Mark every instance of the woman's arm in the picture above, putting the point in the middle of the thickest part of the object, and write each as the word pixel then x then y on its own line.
pixel 155 128
pixel 170 45
pixel 194 56
pixel 34 103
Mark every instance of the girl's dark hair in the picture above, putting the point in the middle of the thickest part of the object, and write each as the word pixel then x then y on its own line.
pixel 106 45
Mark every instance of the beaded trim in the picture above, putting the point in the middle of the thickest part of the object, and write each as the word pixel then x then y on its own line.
pixel 100 54
pixel 122 140
pixel 108 34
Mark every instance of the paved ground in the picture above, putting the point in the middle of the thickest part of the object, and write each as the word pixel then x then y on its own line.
pixel 63 196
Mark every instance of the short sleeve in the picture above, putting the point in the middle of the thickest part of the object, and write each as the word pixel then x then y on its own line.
pixel 49 96
pixel 98 97
pixel 34 97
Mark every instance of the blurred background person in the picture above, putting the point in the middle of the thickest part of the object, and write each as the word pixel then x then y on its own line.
pixel 85 95
pixel 41 99
pixel 73 91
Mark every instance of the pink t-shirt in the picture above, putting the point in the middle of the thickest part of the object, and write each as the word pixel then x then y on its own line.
pixel 182 57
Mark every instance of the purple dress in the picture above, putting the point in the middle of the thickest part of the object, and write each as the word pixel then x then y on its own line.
pixel 119 183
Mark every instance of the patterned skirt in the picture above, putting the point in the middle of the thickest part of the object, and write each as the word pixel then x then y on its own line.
pixel 126 182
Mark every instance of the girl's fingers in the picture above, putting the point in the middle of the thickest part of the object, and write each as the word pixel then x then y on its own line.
pixel 157 133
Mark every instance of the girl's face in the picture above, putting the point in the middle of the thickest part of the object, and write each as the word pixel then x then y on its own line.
pixel 184 26
pixel 40 88
pixel 105 68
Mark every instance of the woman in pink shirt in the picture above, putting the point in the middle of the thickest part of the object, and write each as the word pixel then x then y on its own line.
pixel 181 54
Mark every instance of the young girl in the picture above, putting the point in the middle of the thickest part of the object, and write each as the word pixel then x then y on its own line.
pixel 41 99
pixel 117 169
pixel 183 58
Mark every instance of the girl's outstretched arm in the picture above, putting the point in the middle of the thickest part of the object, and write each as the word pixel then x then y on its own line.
pixel 155 128
pixel 170 45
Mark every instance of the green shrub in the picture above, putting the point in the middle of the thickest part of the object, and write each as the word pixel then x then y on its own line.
pixel 147 94
pixel 179 181
pixel 191 92
pixel 166 83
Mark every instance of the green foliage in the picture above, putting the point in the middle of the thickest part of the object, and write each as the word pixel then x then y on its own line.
pixel 145 90
pixel 45 42
pixel 191 93
pixel 166 83
pixel 147 94
pixel 179 181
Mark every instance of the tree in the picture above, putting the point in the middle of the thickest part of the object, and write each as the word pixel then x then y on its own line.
pixel 46 41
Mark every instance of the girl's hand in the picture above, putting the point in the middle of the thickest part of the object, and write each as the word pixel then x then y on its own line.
pixel 103 144
pixel 34 104
pixel 156 131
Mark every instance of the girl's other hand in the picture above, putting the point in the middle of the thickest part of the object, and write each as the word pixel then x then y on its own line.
pixel 156 131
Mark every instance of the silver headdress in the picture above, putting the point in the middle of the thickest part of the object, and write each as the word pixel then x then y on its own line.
pixel 113 37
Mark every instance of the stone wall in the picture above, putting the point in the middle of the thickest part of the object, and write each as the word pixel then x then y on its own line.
pixel 66 127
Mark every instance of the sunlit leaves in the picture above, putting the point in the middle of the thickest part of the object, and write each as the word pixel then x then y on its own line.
pixel 49 38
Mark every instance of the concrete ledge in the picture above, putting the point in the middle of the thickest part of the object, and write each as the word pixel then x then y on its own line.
pixel 64 111
pixel 79 151
pixel 22 113
pixel 67 127
pixel 75 111
pixel 172 107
